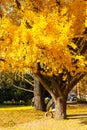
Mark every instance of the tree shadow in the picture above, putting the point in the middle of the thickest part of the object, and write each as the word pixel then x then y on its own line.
pixel 81 117
pixel 84 121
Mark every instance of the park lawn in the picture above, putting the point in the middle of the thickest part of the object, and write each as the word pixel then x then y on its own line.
pixel 27 118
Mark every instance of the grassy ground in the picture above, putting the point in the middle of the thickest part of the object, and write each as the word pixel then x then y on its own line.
pixel 26 118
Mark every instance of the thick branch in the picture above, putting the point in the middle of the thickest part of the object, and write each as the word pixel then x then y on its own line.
pixel 45 86
pixel 66 90
pixel 75 80
pixel 56 87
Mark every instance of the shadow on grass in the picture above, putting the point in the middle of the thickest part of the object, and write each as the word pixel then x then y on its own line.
pixel 77 116
pixel 82 117
pixel 84 121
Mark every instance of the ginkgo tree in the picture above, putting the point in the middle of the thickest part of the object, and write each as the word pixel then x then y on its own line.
pixel 48 39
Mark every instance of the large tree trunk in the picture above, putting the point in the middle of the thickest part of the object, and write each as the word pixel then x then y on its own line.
pixel 60 90
pixel 38 95
pixel 60 108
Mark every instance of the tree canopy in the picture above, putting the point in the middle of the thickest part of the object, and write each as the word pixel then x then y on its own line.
pixel 47 38
pixel 29 37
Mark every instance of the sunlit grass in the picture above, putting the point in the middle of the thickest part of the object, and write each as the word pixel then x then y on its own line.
pixel 16 108
pixel 27 118
pixel 10 116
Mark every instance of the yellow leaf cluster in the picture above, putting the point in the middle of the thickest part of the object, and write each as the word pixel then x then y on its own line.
pixel 78 9
pixel 44 40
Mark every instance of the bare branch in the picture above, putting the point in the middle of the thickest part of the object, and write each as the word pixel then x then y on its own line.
pixel 26 80
pixel 22 88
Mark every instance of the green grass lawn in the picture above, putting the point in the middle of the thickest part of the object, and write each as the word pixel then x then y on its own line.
pixel 27 118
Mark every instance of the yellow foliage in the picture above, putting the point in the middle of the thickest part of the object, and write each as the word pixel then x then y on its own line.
pixel 86 16
pixel 78 9
pixel 44 40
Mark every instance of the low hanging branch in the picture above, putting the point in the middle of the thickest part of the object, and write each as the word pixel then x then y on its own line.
pixel 22 88
pixel 26 80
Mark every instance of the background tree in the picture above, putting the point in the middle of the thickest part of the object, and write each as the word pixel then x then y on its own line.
pixel 14 11
pixel 14 87
pixel 39 95
pixel 49 41
pixel 82 87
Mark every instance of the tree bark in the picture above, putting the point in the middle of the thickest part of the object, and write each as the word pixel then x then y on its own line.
pixel 60 94
pixel 38 95
pixel 60 108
